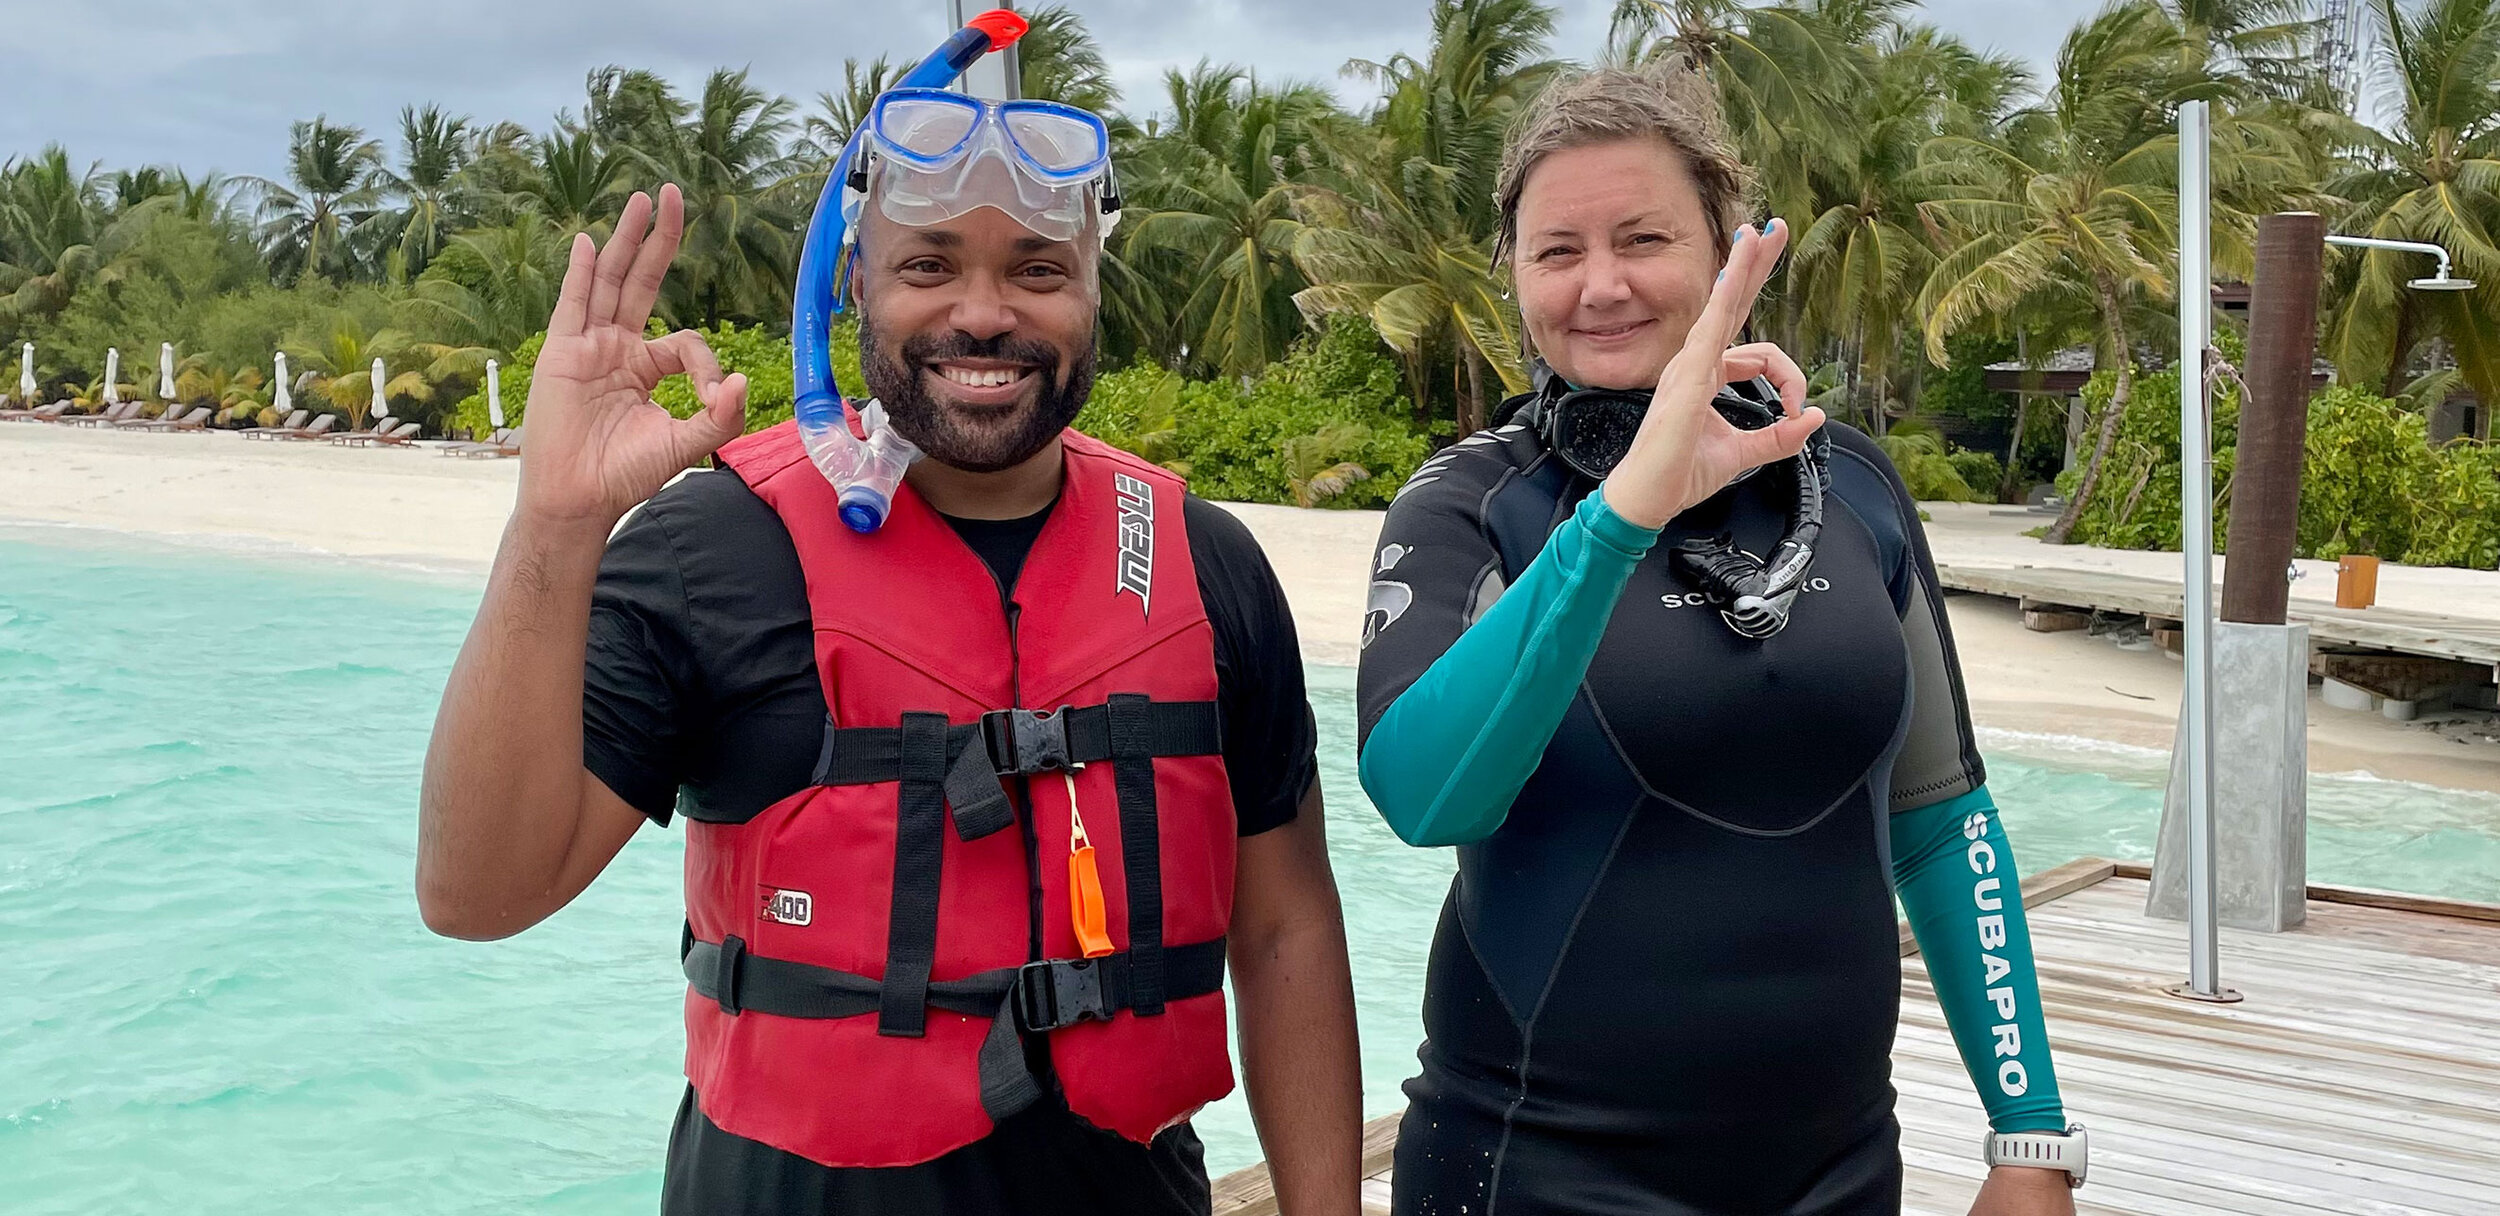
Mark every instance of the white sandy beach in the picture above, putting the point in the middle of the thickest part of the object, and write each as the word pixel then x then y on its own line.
pixel 417 505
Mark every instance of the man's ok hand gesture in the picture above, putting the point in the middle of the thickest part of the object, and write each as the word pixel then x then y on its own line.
pixel 598 445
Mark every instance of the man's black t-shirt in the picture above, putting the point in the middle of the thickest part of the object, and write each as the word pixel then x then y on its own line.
pixel 701 685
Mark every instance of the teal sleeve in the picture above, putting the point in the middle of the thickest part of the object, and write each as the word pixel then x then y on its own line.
pixel 1448 757
pixel 1957 881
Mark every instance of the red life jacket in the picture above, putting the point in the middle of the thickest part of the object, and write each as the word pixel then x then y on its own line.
pixel 861 953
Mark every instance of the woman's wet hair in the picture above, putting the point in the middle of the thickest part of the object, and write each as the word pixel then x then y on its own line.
pixel 1663 100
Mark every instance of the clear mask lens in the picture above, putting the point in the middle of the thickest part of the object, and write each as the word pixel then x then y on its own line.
pixel 938 155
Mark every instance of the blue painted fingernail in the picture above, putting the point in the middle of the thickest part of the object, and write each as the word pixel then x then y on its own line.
pixel 1723 274
pixel 1742 230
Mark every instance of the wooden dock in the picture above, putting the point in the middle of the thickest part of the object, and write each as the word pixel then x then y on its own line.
pixel 2360 1077
pixel 2387 630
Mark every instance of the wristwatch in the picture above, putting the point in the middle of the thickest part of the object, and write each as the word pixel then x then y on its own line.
pixel 2069 1150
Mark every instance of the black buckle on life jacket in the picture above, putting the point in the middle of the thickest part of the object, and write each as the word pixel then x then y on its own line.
pixel 1025 742
pixel 1057 994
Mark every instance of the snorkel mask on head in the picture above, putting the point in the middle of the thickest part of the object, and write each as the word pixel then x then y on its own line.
pixel 926 155
pixel 1591 430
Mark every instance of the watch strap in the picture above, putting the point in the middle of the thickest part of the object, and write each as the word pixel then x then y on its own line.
pixel 2068 1150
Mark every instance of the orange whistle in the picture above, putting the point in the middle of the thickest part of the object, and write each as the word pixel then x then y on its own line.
pixel 1085 903
pixel 1085 908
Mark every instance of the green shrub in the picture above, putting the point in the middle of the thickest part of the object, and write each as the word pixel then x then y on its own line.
pixel 772 391
pixel 2370 481
pixel 2372 484
pixel 1919 454
pixel 469 413
pixel 1960 388
pixel 1288 436
pixel 1327 425
pixel 2136 506
pixel 764 357
pixel 1981 471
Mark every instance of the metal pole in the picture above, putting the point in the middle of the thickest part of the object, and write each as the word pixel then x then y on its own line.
pixel 996 75
pixel 2196 506
pixel 2371 242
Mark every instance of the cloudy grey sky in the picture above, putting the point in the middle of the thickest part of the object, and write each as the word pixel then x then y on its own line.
pixel 213 84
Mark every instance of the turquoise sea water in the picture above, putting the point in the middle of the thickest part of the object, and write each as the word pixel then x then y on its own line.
pixel 219 999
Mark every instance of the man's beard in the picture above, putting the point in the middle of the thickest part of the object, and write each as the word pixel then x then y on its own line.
pixel 944 434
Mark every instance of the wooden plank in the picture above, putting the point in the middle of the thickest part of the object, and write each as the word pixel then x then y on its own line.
pixel 1248 1191
pixel 2430 634
pixel 2355 1080
pixel 2366 897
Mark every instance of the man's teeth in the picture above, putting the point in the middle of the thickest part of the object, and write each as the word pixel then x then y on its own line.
pixel 972 378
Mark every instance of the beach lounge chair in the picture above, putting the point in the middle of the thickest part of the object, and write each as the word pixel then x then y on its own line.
pixel 109 416
pixel 355 439
pixel 319 428
pixel 196 420
pixel 500 444
pixel 170 419
pixel 40 413
pixel 399 436
pixel 294 422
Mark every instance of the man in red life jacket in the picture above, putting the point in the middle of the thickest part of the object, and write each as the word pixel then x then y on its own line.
pixel 981 805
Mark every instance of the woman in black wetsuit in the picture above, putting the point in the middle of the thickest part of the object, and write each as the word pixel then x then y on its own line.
pixel 1669 665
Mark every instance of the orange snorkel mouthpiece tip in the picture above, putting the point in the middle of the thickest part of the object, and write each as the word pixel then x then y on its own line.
pixel 1002 25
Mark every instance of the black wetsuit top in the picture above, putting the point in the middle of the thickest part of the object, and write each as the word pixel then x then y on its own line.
pixel 1668 982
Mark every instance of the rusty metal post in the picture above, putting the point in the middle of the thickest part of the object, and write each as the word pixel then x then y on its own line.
pixel 2274 418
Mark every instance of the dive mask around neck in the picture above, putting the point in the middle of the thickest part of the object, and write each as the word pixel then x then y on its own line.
pixel 1591 430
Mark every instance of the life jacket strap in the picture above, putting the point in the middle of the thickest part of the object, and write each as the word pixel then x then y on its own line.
pixel 1038 997
pixel 937 764
pixel 1014 742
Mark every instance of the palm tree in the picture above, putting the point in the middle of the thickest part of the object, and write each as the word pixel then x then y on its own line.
pixel 840 114
pixel 1215 199
pixel 331 188
pixel 2435 176
pixel 434 152
pixel 2270 43
pixel 489 292
pixel 1861 259
pixel 132 187
pixel 1451 109
pixel 1058 60
pixel 1785 79
pixel 631 107
pixel 236 394
pixel 572 182
pixel 340 357
pixel 728 158
pixel 1403 235
pixel 2077 204
pixel 51 219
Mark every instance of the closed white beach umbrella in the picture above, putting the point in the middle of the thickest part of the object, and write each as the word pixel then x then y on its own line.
pixel 381 405
pixel 284 401
pixel 112 375
pixel 494 396
pixel 26 373
pixel 165 371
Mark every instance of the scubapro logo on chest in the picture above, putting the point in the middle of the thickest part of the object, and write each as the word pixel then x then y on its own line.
pixel 1697 599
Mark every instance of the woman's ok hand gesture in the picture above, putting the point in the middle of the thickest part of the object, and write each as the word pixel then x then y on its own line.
pixel 1685 452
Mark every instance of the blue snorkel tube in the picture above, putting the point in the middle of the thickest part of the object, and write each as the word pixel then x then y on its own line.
pixel 864 471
